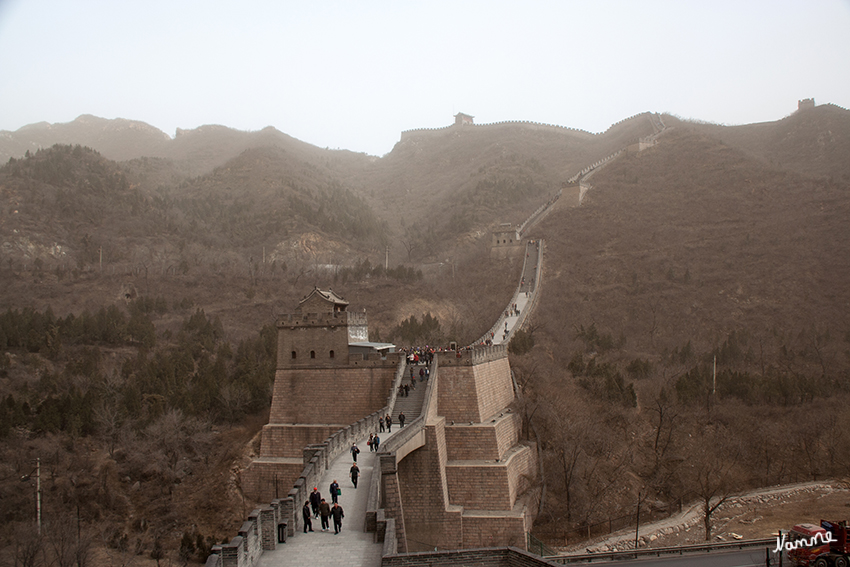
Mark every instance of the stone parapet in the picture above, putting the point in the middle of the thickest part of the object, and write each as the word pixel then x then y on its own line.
pixel 483 441
pixel 287 441
pixel 479 557
pixel 337 318
pixel 330 394
pixel 473 355
pixel 482 528
pixel 491 485
pixel 472 393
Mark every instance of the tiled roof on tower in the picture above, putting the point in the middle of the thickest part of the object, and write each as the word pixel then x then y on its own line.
pixel 332 302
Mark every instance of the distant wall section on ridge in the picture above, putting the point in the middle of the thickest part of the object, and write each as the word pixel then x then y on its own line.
pixel 459 126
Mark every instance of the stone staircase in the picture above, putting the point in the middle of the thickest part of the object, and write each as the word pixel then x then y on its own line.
pixel 412 404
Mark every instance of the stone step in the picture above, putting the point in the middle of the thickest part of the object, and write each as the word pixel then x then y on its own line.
pixel 411 405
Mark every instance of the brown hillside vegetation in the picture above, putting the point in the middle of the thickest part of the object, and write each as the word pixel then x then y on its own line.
pixel 681 253
pixel 712 243
pixel 814 141
pixel 667 247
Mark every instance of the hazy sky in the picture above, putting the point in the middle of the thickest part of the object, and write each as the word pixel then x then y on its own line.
pixel 353 74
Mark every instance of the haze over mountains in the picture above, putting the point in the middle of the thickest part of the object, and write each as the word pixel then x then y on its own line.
pixel 717 241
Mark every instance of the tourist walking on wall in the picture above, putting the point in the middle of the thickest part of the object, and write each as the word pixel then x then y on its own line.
pixel 376 442
pixel 354 451
pixel 389 421
pixel 380 425
pixel 325 513
pixel 369 442
pixel 305 512
pixel 338 515
pixel 401 419
pixel 334 491
pixel 315 500
pixel 354 473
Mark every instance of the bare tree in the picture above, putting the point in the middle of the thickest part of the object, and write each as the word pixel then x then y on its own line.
pixel 713 472
pixel 29 546
pixel 665 415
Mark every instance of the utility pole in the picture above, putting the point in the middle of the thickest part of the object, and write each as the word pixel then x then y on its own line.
pixel 38 492
pixel 27 478
pixel 637 523
pixel 714 377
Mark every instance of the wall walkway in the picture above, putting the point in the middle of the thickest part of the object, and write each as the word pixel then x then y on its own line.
pixel 370 532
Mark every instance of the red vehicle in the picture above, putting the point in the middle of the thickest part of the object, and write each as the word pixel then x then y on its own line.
pixel 826 545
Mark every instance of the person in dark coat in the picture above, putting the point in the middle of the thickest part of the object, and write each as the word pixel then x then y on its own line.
pixel 389 421
pixel 338 515
pixel 334 491
pixel 355 450
pixel 325 513
pixel 401 419
pixel 305 512
pixel 354 473
pixel 315 500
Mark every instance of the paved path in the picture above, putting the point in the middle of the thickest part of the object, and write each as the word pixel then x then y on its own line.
pixel 352 546
pixel 504 330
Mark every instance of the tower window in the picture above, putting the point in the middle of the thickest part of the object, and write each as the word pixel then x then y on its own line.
pixel 332 354
pixel 294 355
pixel 312 354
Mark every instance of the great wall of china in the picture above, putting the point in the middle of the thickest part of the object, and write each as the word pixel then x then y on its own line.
pixel 457 477
pixel 407 134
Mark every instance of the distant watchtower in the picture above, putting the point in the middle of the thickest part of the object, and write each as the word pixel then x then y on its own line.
pixel 462 119
pixel 506 242
pixel 805 104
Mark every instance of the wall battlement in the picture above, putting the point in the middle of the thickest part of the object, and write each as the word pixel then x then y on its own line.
pixel 321 319
pixel 416 132
pixel 474 356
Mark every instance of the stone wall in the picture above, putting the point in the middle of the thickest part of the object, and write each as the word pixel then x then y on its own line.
pixel 429 519
pixel 491 485
pixel 482 557
pixel 285 463
pixel 477 392
pixel 408 134
pixel 287 441
pixel 330 395
pixel 483 529
pixel 257 534
pixel 479 441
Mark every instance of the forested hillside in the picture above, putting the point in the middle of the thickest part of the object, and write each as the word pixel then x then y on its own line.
pixel 684 256
pixel 138 298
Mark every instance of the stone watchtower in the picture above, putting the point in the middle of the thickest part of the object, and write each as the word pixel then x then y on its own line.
pixel 462 119
pixel 328 376
pixel 805 104
pixel 506 242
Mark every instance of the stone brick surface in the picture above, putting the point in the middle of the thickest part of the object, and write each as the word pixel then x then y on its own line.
pixel 484 485
pixel 486 557
pixel 330 395
pixel 289 440
pixel 481 531
pixel 475 392
pixel 487 441
pixel 263 481
pixel 428 513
